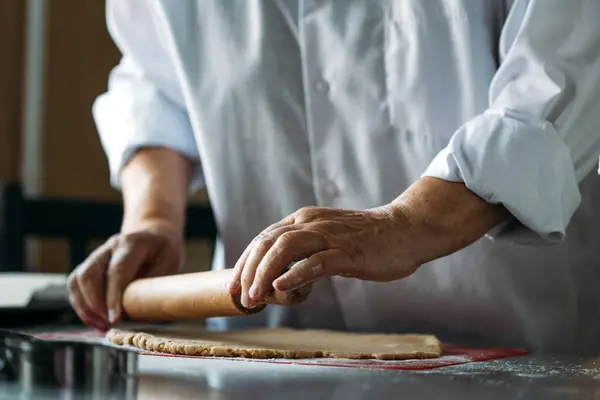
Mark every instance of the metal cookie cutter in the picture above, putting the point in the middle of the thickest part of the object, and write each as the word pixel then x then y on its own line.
pixel 30 363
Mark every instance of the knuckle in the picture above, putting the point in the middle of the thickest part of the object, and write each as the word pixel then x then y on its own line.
pixel 308 209
pixel 72 282
pixel 305 213
pixel 112 242
pixel 114 271
pixel 137 238
pixel 264 243
pixel 86 279
pixel 96 257
pixel 285 241
pixel 247 277
pixel 116 267
pixel 237 269
pixel 324 237
pixel 129 239
pixel 318 262
pixel 272 227
pixel 319 269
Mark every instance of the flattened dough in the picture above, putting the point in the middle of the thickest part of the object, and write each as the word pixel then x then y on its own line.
pixel 280 343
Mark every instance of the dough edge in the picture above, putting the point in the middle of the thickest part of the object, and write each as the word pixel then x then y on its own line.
pixel 431 348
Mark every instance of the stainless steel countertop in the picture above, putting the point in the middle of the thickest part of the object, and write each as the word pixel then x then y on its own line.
pixel 528 377
pixel 525 377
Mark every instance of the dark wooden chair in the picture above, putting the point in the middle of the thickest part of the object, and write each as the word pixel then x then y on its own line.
pixel 76 220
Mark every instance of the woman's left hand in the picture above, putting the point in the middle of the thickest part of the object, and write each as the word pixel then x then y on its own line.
pixel 374 245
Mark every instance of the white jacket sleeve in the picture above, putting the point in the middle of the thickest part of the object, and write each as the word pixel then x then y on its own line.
pixel 144 103
pixel 541 133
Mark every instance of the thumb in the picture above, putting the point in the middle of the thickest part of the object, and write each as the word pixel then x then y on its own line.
pixel 125 262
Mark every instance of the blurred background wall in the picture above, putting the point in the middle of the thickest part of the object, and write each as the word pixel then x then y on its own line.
pixel 60 154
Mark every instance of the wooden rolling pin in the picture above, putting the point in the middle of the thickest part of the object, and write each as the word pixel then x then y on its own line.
pixel 194 296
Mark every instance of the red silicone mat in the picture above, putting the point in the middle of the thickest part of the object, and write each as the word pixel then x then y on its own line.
pixel 453 355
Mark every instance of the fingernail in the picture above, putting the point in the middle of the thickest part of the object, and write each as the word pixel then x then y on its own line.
pixel 255 293
pixel 245 300
pixel 113 314
pixel 284 285
pixel 281 284
pixel 233 286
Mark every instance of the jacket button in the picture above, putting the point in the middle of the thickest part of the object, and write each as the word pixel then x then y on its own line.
pixel 330 189
pixel 322 86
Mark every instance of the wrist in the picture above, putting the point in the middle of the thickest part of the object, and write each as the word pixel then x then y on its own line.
pixel 442 217
pixel 151 205
pixel 155 184
pixel 153 219
pixel 402 230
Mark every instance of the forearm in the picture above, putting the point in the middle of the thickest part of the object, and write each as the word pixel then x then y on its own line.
pixel 155 187
pixel 444 217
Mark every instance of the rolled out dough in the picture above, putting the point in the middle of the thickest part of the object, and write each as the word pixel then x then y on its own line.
pixel 280 343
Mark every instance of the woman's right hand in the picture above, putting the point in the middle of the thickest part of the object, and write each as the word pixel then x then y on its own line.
pixel 152 248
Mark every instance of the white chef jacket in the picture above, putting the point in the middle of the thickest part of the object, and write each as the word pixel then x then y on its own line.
pixel 284 104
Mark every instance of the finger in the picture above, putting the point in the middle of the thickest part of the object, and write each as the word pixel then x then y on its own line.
pixel 166 261
pixel 234 284
pixel 319 265
pixel 261 246
pixel 85 314
pixel 289 247
pixel 91 280
pixel 126 261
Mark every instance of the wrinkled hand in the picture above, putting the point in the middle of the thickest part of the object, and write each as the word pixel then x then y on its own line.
pixel 97 285
pixel 371 245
